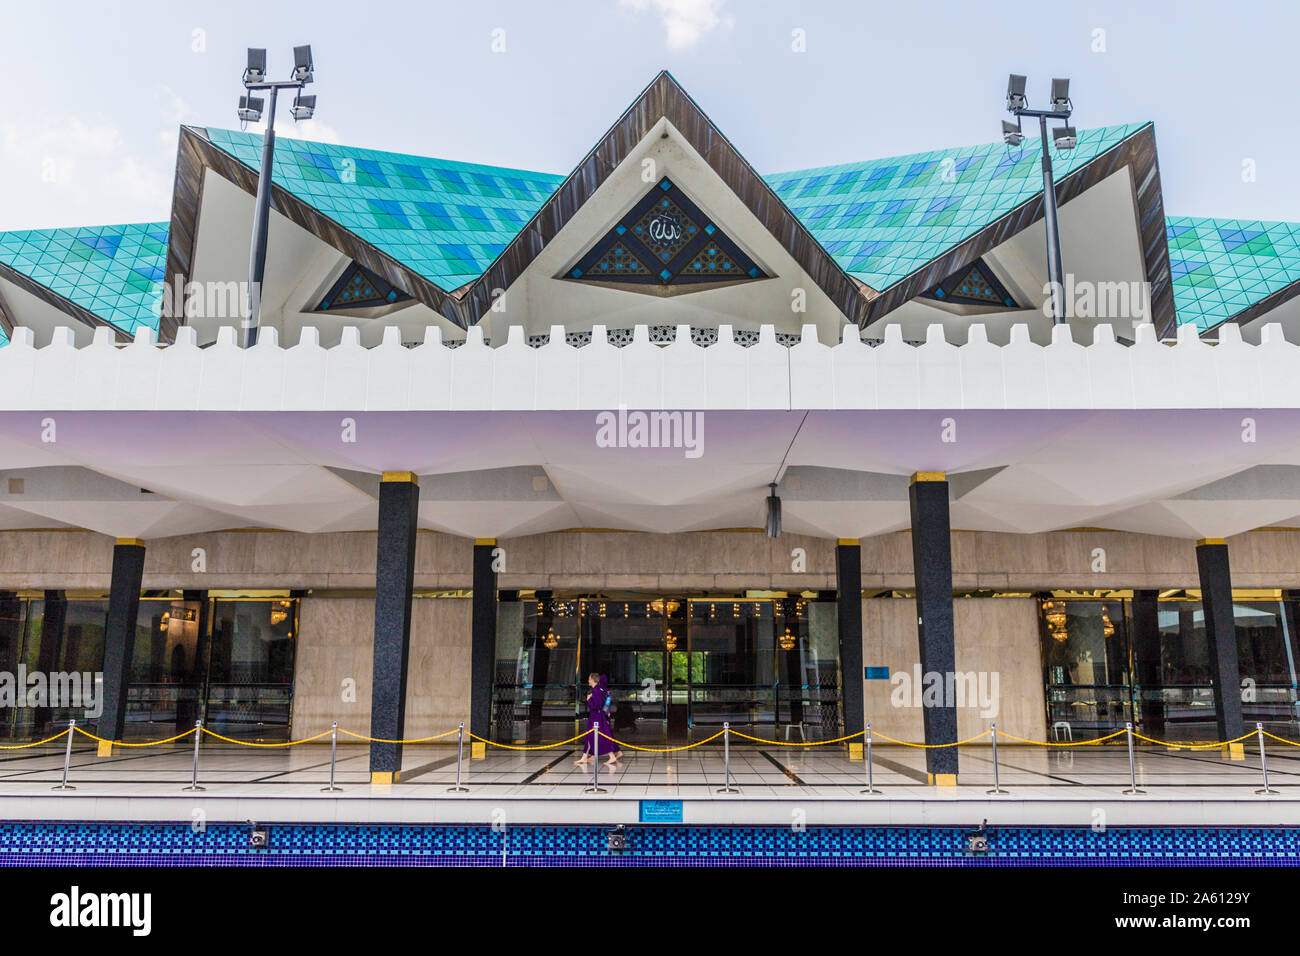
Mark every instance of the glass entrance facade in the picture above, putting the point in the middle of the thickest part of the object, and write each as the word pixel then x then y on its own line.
pixel 227 660
pixel 1104 665
pixel 678 668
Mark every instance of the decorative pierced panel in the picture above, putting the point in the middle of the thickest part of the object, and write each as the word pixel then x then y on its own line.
pixel 665 239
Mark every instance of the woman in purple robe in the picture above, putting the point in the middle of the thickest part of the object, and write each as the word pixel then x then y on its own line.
pixel 598 719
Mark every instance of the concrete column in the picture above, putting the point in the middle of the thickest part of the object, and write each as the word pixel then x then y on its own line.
pixel 119 638
pixel 1221 634
pixel 848 581
pixel 399 495
pixel 1148 674
pixel 932 566
pixel 483 641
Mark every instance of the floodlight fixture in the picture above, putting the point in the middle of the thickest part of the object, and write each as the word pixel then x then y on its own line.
pixel 302 65
pixel 1016 93
pixel 1061 96
pixel 250 109
pixel 773 512
pixel 255 72
pixel 1065 138
pixel 303 107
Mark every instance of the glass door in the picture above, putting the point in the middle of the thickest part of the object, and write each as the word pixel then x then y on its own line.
pixel 631 642
pixel 732 667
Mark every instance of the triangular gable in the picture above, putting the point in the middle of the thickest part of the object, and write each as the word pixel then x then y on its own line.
pixel 99 275
pixel 424 226
pixel 665 99
pixel 1230 269
pixel 904 224
pixel 665 241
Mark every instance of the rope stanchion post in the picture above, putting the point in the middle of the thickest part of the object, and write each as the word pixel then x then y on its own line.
pixel 1133 789
pixel 460 753
pixel 194 777
pixel 1263 762
pixel 866 756
pixel 595 763
pixel 997 786
pixel 726 760
pixel 67 757
pixel 334 749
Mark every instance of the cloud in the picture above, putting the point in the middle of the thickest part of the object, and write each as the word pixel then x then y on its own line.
pixel 686 21
pixel 312 129
pixel 75 169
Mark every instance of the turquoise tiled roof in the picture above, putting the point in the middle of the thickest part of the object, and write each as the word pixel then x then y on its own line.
pixel 1221 266
pixel 445 220
pixel 883 219
pixel 116 272
pixel 880 220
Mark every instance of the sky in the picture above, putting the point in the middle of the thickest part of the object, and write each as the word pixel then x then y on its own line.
pixel 92 93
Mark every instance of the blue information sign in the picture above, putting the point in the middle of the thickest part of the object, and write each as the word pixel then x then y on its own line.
pixel 661 811
pixel 875 673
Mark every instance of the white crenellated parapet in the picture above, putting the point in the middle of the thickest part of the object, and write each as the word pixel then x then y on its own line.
pixel 812 374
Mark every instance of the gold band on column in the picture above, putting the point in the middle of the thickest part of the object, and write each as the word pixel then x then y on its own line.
pixel 402 476
pixel 1210 541
pixel 848 541
pixel 943 779
pixel 383 778
pixel 486 542
pixel 929 476
pixel 130 542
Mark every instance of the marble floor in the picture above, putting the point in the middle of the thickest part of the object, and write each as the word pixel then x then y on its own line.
pixel 759 771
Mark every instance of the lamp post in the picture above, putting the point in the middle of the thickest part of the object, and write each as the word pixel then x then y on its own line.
pixel 250 111
pixel 1064 138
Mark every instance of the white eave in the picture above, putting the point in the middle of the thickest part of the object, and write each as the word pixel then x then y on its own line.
pixel 849 374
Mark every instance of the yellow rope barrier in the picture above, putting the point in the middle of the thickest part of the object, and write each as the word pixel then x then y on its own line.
pixel 955 743
pixel 147 743
pixel 381 740
pixel 661 750
pixel 35 743
pixel 1210 746
pixel 249 743
pixel 1068 743
pixel 876 736
pixel 491 743
pixel 802 743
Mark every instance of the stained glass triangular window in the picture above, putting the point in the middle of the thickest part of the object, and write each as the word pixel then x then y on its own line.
pixel 665 239
pixel 974 285
pixel 359 288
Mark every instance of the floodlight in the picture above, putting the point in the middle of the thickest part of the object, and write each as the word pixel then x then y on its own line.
pixel 303 107
pixel 1065 138
pixel 1011 134
pixel 1061 96
pixel 250 108
pixel 1016 93
pixel 256 69
pixel 302 65
pixel 773 513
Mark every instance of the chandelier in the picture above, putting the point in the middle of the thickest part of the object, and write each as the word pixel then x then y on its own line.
pixel 1054 614
pixel 670 640
pixel 787 640
pixel 550 640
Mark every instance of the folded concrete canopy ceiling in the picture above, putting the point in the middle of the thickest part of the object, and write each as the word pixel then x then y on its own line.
pixel 1189 440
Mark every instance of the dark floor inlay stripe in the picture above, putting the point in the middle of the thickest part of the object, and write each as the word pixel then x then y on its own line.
pixel 794 777
pixel 532 777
